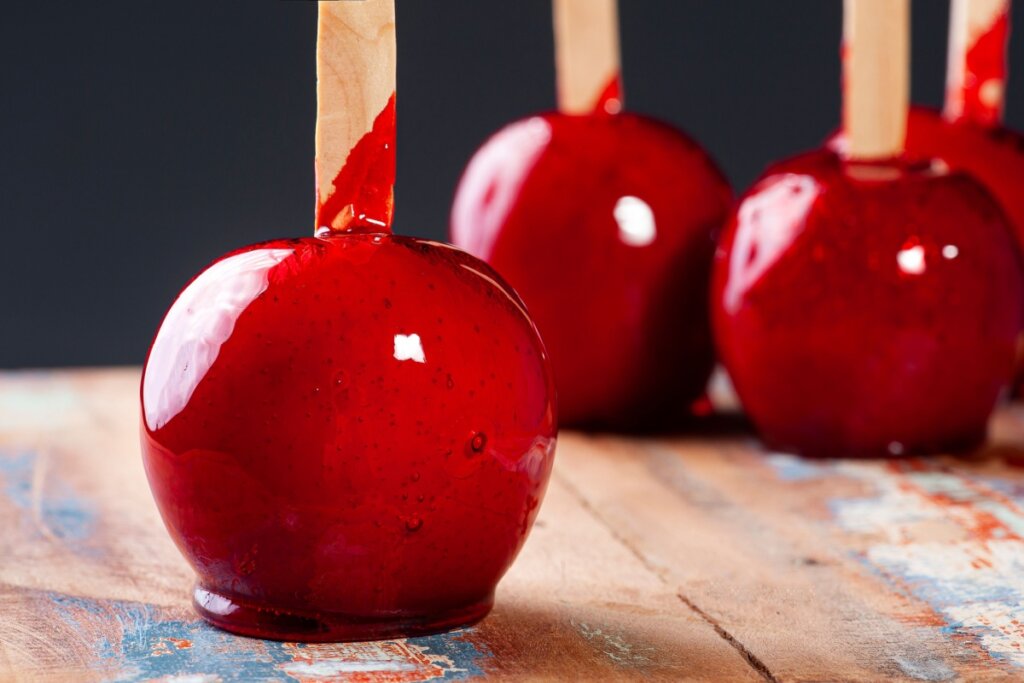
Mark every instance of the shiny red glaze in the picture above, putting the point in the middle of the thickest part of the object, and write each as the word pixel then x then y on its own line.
pixel 605 226
pixel 991 154
pixel 984 67
pixel 347 437
pixel 361 196
pixel 867 310
pixel 611 97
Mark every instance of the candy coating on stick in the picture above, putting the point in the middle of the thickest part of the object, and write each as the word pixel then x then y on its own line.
pixel 876 60
pixel 355 129
pixel 587 56
pixel 976 76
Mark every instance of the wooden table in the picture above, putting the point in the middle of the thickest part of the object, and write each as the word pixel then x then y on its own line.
pixel 682 558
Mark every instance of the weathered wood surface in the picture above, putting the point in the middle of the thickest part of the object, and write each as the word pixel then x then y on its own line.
pixel 683 558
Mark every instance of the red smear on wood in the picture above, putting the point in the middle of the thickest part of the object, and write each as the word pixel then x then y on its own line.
pixel 928 618
pixel 361 198
pixel 982 525
pixel 985 62
pixel 610 100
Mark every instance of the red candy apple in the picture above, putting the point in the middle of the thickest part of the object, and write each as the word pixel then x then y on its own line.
pixel 604 223
pixel 868 306
pixel 867 310
pixel 348 436
pixel 968 134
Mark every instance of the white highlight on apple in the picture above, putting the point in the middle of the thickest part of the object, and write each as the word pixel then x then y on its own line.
pixel 197 325
pixel 636 221
pixel 911 260
pixel 769 222
pixel 409 347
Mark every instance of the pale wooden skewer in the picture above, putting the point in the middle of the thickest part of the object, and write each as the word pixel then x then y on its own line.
pixel 356 74
pixel 969 21
pixel 876 78
pixel 587 55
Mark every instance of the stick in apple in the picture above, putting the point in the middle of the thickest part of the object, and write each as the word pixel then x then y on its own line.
pixel 587 56
pixel 976 73
pixel 355 126
pixel 876 60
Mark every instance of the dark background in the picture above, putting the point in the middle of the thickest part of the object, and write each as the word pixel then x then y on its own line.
pixel 140 140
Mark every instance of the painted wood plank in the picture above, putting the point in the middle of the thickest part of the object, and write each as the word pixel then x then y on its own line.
pixel 828 570
pixel 92 589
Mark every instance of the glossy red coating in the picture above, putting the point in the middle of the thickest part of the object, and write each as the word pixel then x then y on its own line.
pixel 605 226
pixel 361 197
pixel 867 309
pixel 611 97
pixel 992 154
pixel 349 437
pixel 985 74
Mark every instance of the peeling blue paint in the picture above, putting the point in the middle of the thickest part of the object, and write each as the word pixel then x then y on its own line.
pixel 794 468
pixel 65 514
pixel 145 646
pixel 969 573
pixel 464 652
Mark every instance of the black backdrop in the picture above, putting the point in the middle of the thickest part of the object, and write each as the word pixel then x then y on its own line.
pixel 140 140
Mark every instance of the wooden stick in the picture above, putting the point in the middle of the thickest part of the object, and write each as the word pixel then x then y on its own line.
pixel 876 46
pixel 587 56
pixel 355 126
pixel 976 73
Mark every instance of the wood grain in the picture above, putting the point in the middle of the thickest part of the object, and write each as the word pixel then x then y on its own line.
pixel 679 558
pixel 91 587
pixel 876 77
pixel 586 53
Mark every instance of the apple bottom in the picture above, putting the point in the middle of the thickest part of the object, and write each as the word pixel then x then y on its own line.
pixel 832 409
pixel 967 441
pixel 263 621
